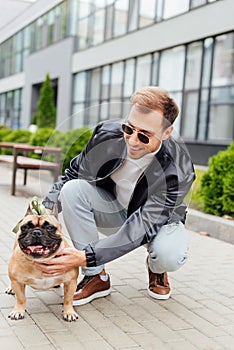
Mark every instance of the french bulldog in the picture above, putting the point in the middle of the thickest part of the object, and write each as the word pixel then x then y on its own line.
pixel 38 239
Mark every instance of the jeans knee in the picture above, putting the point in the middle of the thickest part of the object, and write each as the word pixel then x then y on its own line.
pixel 167 262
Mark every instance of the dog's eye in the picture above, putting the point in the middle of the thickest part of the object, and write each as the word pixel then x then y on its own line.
pixel 24 228
pixel 50 228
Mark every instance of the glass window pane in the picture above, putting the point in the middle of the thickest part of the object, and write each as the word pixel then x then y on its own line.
pixel 143 71
pixel 95 85
pixel 190 114
pixel 99 23
pixel 105 82
pixel 177 96
pixel 208 48
pixel 109 22
pixel 147 12
pixel 155 67
pixel 129 77
pixel 173 8
pixel 203 111
pixel 133 15
pixel 221 124
pixel 83 36
pixel 121 17
pixel 117 80
pixel 172 65
pixel 78 115
pixel 104 111
pixel 223 73
pixel 79 93
pixel 193 66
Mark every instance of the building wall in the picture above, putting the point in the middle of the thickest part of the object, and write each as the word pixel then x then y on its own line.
pixel 194 25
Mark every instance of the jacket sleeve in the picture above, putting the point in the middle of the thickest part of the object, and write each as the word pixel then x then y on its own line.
pixel 143 225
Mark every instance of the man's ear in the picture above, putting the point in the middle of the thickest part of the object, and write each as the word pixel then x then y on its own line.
pixel 54 211
pixel 167 132
pixel 29 211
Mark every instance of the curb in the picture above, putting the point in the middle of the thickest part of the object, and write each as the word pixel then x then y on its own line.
pixel 210 225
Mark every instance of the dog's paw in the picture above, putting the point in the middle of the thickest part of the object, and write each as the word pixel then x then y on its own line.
pixel 9 290
pixel 16 315
pixel 70 316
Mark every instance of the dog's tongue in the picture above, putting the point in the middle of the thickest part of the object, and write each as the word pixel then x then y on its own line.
pixel 35 248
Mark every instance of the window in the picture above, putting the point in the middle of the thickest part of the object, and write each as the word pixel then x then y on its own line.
pixel 221 124
pixel 193 66
pixel 143 70
pixel 172 69
pixel 155 69
pixel 121 17
pixel 190 115
pixel 116 80
pixel 129 77
pixel 223 73
pixel 173 8
pixel 79 98
pixel 147 12
pixel 99 25
pixel 133 15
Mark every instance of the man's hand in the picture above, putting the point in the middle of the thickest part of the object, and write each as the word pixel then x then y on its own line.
pixel 65 260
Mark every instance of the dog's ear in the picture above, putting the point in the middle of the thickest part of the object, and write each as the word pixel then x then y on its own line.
pixel 54 211
pixel 29 211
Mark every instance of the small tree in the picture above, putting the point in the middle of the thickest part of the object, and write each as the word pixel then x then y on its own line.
pixel 45 117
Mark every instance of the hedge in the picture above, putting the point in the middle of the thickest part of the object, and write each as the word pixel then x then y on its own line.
pixel 217 188
pixel 71 142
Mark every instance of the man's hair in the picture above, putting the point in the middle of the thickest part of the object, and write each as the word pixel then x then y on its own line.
pixel 154 98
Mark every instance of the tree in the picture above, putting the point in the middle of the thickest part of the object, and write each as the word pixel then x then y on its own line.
pixel 45 117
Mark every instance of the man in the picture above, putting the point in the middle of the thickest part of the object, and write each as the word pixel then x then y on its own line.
pixel 129 183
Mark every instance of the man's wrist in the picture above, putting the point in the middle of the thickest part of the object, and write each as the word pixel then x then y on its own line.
pixel 83 257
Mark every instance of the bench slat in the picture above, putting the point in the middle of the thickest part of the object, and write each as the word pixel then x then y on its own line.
pixel 25 162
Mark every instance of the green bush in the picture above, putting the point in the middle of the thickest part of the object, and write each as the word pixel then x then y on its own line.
pixel 72 143
pixel 17 136
pixel 217 184
pixel 4 133
pixel 43 137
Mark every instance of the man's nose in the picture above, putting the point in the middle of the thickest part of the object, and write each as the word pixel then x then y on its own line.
pixel 133 139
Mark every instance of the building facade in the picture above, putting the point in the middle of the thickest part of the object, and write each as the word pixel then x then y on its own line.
pixel 98 52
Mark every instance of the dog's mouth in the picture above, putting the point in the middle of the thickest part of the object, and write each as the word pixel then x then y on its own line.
pixel 38 251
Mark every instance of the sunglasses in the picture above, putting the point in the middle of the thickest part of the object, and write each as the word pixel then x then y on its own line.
pixel 129 131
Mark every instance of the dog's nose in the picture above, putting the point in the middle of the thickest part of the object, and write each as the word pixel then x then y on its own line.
pixel 36 233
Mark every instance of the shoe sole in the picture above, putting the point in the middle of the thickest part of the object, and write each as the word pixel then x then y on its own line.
pixel 87 300
pixel 158 296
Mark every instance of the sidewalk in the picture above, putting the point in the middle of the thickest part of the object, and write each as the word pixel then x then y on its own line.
pixel 198 316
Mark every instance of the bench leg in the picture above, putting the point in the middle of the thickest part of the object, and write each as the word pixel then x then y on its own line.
pixel 13 181
pixel 25 177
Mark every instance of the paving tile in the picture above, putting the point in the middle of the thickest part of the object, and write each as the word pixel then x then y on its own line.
pixel 198 316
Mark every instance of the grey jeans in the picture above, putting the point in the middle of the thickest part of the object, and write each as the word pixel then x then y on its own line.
pixel 88 210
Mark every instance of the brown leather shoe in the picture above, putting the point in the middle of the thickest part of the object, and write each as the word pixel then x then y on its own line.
pixel 90 288
pixel 159 287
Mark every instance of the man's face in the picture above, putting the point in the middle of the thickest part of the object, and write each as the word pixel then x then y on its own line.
pixel 149 124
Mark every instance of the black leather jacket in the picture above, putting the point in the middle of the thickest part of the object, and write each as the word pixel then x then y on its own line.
pixel 156 200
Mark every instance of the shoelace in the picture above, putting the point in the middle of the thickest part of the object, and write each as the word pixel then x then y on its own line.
pixel 84 281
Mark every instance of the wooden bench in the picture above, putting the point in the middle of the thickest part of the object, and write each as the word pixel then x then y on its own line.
pixel 19 161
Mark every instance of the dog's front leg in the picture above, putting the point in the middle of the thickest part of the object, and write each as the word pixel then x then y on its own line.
pixel 19 310
pixel 69 313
